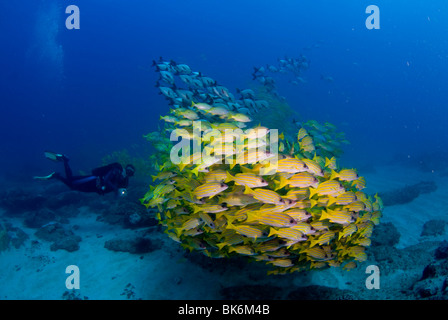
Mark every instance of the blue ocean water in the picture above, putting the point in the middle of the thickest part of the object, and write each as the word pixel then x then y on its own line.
pixel 90 92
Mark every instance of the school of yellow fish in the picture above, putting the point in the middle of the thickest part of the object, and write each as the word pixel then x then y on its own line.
pixel 292 207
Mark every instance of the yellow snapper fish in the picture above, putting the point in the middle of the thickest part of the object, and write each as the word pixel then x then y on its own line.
pixel 240 117
pixel 280 253
pixel 349 266
pixel 287 233
pixel 343 199
pixel 265 195
pixel 190 224
pixel 328 188
pixel 357 252
pixel 284 263
pixel 184 123
pixel 229 238
pixel 256 133
pixel 209 189
pixel 237 199
pixel 187 114
pixel 252 156
pixel 301 134
pixel 355 206
pixel 321 225
pixel 347 231
pixel 281 207
pixel 201 105
pixel 302 204
pixel 360 183
pixel 270 245
pixel 288 165
pixel 313 167
pixel 225 126
pixel 221 150
pixel 207 219
pixel 301 180
pixel 246 179
pixel 323 239
pixel 306 141
pixel 298 215
pixel 253 232
pixel 217 111
pixel 203 167
pixel 365 242
pixel 244 250
pixel 209 208
pixel 215 176
pixel 337 216
pixel 163 175
pixel 378 204
pixel 297 194
pixel 344 175
pixel 304 228
pixel 317 254
pixel 169 119
pixel 331 163
pixel 279 219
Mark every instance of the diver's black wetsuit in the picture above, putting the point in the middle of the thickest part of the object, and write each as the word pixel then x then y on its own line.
pixel 103 179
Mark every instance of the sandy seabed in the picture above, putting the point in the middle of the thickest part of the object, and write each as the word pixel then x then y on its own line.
pixel 33 271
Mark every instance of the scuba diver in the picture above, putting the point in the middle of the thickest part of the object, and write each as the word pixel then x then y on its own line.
pixel 109 178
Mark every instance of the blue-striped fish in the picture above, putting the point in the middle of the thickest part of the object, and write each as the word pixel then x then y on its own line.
pixel 284 263
pixel 270 245
pixel 324 238
pixel 247 179
pixel 331 163
pixel 287 233
pixel 357 252
pixel 215 176
pixel 347 231
pixel 337 216
pixel 190 224
pixel 256 133
pixel 328 188
pixel 360 183
pixel 300 180
pixel 279 219
pixel 301 134
pixel 243 249
pixel 297 194
pixel 289 165
pixel 209 208
pixel 344 175
pixel 298 214
pixel 316 254
pixel 355 206
pixel 265 195
pixel 237 199
pixel 229 238
pixel 304 228
pixel 201 106
pixel 343 199
pixel 209 189
pixel 239 117
pixel 254 232
pixel 313 167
